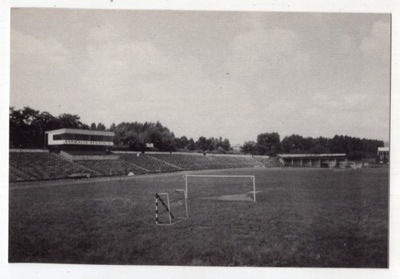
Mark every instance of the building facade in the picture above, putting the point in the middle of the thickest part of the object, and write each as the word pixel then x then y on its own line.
pixel 312 160
pixel 78 139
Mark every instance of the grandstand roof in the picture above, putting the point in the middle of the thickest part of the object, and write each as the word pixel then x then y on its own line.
pixel 80 131
pixel 312 155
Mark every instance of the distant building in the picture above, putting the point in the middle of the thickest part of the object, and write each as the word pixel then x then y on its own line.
pixel 312 160
pixel 383 154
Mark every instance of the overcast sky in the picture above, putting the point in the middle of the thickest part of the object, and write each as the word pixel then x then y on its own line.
pixel 229 74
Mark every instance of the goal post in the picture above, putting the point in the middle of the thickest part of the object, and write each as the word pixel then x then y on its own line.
pixel 218 177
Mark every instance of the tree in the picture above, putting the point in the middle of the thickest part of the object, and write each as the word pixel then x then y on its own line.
pixel 293 144
pixel 268 143
pixel 319 149
pixel 224 144
pixel 135 136
pixel 336 144
pixel 182 143
pixel 23 130
pixel 191 145
pixel 370 147
pixel 112 127
pixel 249 147
pixel 67 120
pixel 101 127
pixel 307 144
pixel 28 126
pixel 202 144
pixel 47 121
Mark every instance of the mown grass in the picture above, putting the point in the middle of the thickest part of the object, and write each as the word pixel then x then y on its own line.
pixel 303 217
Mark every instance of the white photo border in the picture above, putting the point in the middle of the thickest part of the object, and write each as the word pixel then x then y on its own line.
pixel 105 271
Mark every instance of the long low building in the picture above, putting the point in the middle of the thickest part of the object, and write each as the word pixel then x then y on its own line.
pixel 312 160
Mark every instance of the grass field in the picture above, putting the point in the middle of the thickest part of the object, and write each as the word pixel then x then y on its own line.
pixel 303 217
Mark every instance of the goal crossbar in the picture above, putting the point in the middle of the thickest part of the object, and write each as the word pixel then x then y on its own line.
pixel 222 175
pixel 252 177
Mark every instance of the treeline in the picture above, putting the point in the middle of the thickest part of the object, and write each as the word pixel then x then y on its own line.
pixel 270 144
pixel 28 126
pixel 134 136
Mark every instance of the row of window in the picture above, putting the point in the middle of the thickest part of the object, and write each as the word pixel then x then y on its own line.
pixel 82 137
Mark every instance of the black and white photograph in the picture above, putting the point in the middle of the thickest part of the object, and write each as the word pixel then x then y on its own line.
pixel 199 138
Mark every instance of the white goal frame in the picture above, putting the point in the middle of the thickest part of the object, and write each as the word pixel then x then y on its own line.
pixel 252 177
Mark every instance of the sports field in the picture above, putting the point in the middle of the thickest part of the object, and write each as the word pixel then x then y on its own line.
pixel 302 217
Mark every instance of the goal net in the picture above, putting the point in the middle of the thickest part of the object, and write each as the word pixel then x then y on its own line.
pixel 220 187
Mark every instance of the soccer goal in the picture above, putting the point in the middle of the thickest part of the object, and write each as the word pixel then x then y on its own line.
pixel 220 187
pixel 171 208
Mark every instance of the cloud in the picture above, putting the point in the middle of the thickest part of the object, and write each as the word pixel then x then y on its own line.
pixel 347 43
pixel 124 60
pixel 263 59
pixel 255 75
pixel 190 104
pixel 263 51
pixel 121 61
pixel 40 70
pixel 377 43
pixel 133 80
pixel 27 45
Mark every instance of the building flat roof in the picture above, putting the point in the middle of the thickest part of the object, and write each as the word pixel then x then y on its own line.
pixel 329 155
pixel 81 132
pixel 383 148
